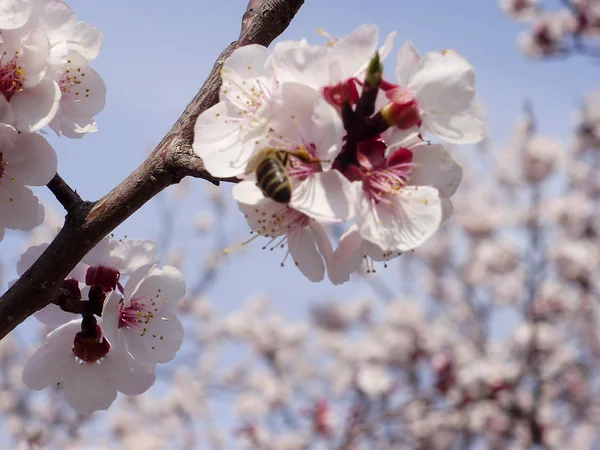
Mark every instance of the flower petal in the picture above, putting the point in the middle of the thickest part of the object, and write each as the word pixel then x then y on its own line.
pixel 408 58
pixel 33 108
pixel 463 128
pixel 304 117
pixel 224 143
pixel 350 53
pixel 53 315
pixel 436 168
pixel 21 210
pixel 301 244
pixel 326 196
pixel 14 13
pixel 303 63
pixel 415 216
pixel 443 83
pixel 348 256
pixel 53 359
pixel 87 389
pixel 31 161
pixel 160 341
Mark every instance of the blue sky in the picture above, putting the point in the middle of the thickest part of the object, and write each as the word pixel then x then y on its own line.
pixel 157 54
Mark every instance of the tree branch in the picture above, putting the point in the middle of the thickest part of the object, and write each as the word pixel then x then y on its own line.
pixel 87 223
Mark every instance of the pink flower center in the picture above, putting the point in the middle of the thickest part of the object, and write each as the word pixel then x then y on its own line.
pixel 11 76
pixel 138 314
pixel 343 92
pixel 299 170
pixel 380 184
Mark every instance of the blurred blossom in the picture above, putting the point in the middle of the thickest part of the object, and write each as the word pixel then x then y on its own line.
pixel 573 212
pixel 468 211
pixel 540 156
pixel 251 405
pixel 176 258
pixel 542 335
pixel 374 380
pixel 575 259
pixel 545 37
pixel 204 222
pixel 587 122
pixel 520 9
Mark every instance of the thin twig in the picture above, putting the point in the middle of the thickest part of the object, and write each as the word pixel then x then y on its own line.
pixel 64 193
pixel 87 223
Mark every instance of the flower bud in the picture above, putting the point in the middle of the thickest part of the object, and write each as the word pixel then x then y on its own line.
pixel 402 111
pixel 103 277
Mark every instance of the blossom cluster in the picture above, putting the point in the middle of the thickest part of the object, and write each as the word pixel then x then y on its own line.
pixel 45 81
pixel 318 136
pixel 568 29
pixel 122 332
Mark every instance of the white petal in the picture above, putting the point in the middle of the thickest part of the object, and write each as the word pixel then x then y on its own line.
pixel 248 193
pixel 304 252
pixel 387 46
pixel 249 61
pixel 14 13
pixel 160 341
pixel 53 315
pixel 138 253
pixel 108 253
pixel 80 103
pixel 443 83
pixel 110 321
pixel 462 128
pixel 350 53
pixel 396 138
pixel 35 107
pixel 226 143
pixel 53 360
pixel 21 210
pixel 325 196
pixel 87 389
pixel 436 168
pixel 127 375
pixel 348 257
pixel 303 117
pixel 323 243
pixel 415 217
pixel 165 285
pixel 6 114
pixel 88 39
pixel 297 61
pixel 31 161
pixel 408 58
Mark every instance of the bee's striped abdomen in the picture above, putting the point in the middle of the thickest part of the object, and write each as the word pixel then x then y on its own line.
pixel 273 180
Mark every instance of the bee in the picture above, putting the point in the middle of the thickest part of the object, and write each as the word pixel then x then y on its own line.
pixel 270 166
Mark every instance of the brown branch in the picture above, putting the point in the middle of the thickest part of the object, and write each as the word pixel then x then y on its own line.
pixel 64 193
pixel 87 223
